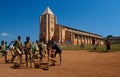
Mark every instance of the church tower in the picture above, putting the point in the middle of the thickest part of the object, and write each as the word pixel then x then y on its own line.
pixel 47 25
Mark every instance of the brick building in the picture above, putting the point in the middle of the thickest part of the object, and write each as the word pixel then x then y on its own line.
pixel 63 34
pixel 115 40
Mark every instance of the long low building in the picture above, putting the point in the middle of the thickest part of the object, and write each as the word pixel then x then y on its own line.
pixel 115 40
pixel 73 36
pixel 50 29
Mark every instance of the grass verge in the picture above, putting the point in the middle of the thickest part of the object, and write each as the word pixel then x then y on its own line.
pixel 100 48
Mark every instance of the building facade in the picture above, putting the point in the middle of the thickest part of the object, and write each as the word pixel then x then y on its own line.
pixel 62 34
pixel 115 40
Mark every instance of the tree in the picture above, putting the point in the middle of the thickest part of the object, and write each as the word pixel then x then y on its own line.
pixel 109 36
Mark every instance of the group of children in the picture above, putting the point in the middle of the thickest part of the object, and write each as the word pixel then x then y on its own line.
pixel 107 43
pixel 29 49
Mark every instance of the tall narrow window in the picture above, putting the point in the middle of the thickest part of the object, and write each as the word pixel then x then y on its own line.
pixel 52 29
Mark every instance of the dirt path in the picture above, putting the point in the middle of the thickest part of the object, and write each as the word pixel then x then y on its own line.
pixel 75 64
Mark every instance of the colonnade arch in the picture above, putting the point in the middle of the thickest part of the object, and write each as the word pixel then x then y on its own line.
pixel 77 39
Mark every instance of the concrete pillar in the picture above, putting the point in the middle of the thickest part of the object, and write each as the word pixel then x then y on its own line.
pixel 88 40
pixel 80 40
pixel 85 38
pixel 46 28
pixel 72 38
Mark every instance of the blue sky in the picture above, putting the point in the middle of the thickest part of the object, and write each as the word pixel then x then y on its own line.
pixel 21 17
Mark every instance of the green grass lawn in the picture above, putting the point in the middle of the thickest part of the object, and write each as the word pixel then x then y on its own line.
pixel 100 48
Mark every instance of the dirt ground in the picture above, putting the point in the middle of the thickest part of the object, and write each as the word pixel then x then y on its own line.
pixel 75 64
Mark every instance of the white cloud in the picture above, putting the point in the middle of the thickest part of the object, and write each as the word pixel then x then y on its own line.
pixel 6 35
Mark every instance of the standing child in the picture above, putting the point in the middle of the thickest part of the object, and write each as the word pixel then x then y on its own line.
pixel 58 50
pixel 3 50
pixel 82 45
pixel 28 51
pixel 108 43
pixel 94 43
